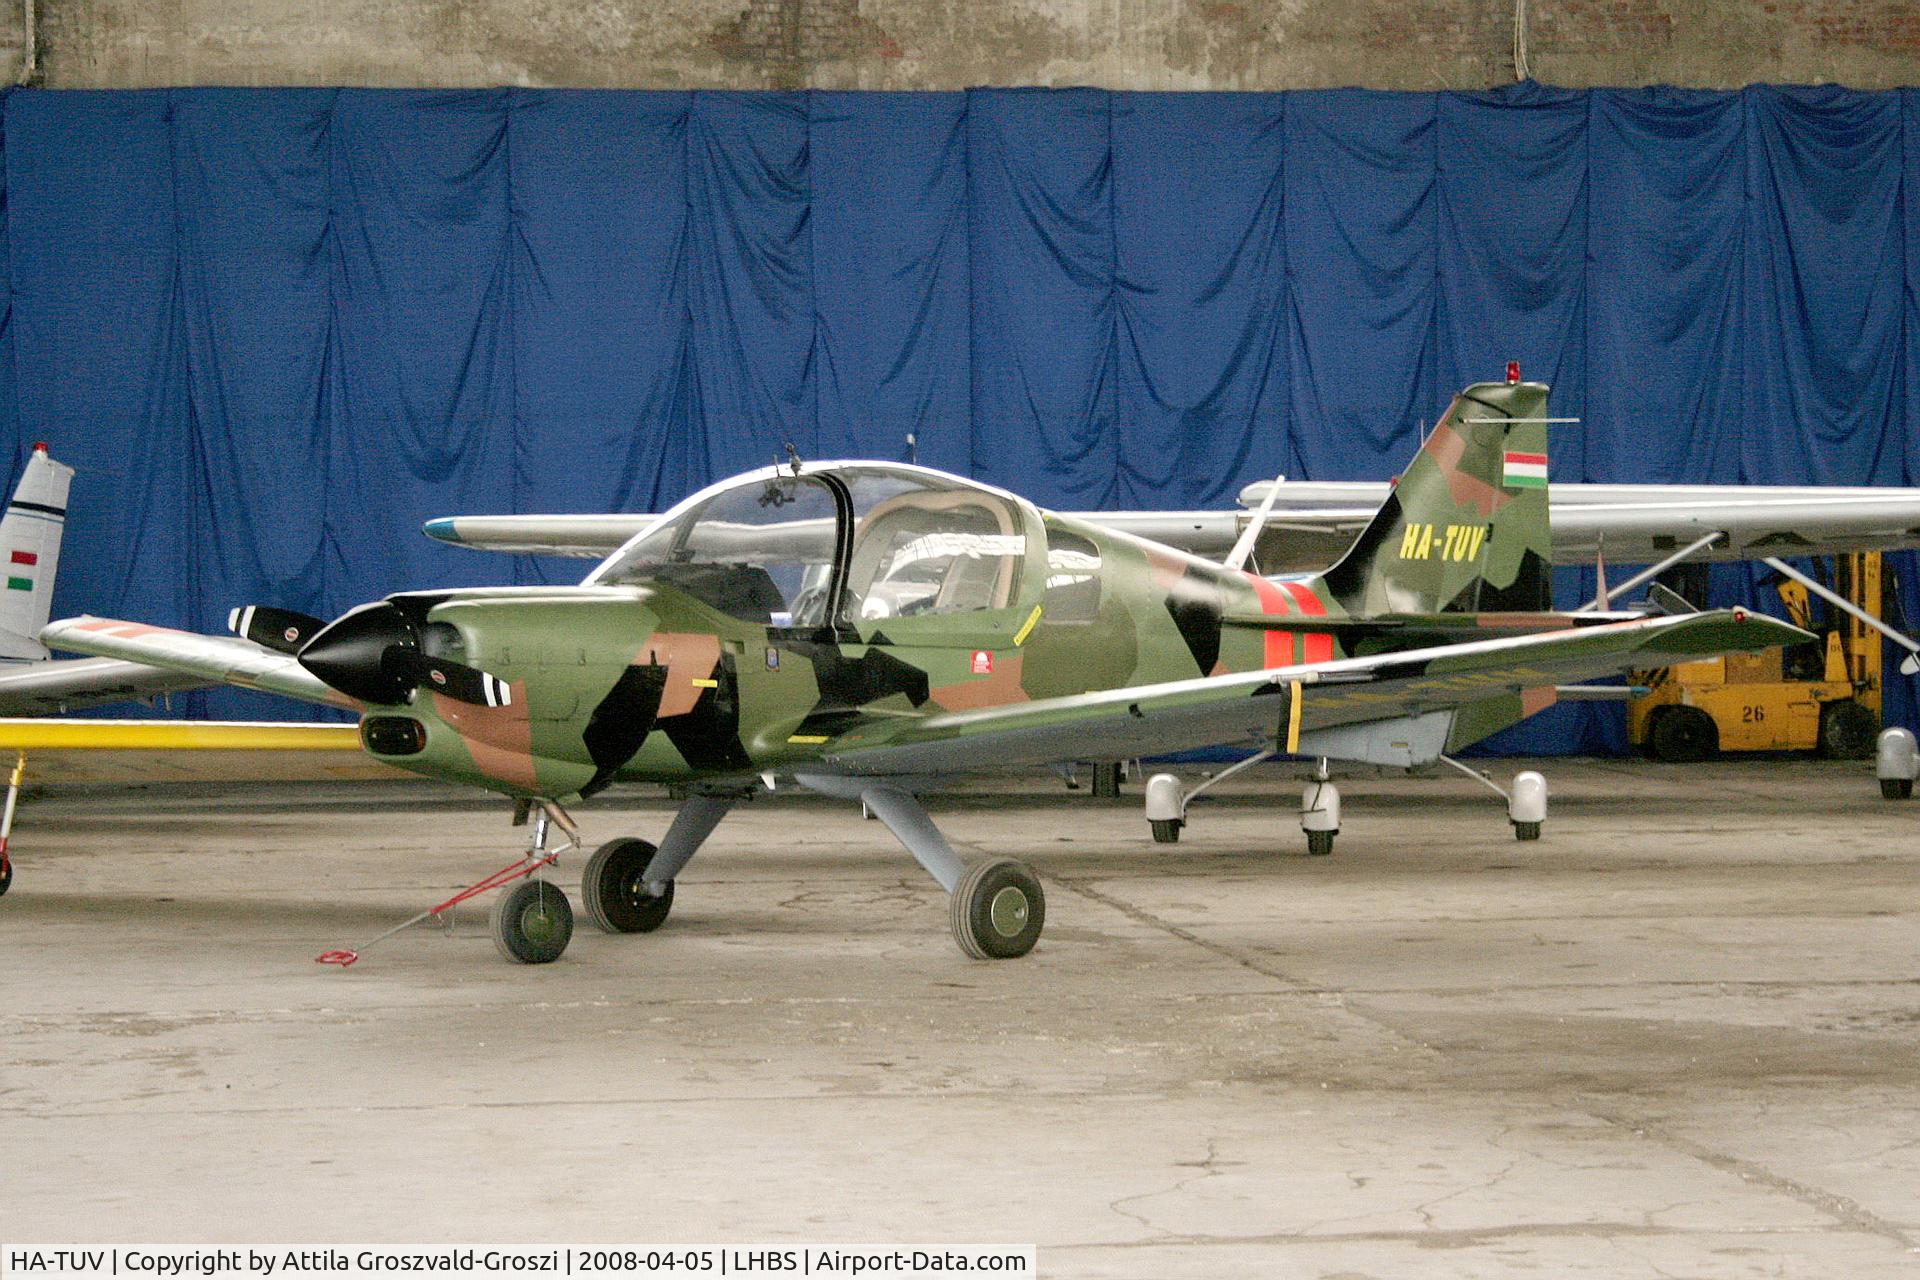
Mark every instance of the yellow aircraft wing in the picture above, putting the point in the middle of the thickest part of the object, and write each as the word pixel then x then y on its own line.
pixel 64 751
pixel 67 751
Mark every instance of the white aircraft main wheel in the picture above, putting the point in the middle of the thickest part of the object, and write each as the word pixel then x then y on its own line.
pixel 614 888
pixel 1166 830
pixel 999 909
pixel 532 922
pixel 1320 843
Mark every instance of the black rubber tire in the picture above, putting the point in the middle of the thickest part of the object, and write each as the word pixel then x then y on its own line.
pixel 1106 780
pixel 1848 731
pixel 613 888
pixel 532 922
pixel 999 909
pixel 1684 735
pixel 1526 831
pixel 1890 789
pixel 1320 843
pixel 1165 830
pixel 6 877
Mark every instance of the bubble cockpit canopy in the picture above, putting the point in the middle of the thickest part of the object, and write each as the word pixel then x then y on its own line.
pixel 835 544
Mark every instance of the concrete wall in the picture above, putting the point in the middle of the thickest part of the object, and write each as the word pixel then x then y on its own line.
pixel 946 44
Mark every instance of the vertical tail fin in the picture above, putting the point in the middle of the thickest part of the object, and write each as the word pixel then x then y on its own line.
pixel 30 554
pixel 1465 530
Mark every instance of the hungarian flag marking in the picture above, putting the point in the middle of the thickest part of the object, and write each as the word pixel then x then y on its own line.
pixel 1525 471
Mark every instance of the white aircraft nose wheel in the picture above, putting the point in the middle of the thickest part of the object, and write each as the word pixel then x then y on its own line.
pixel 614 888
pixel 999 909
pixel 532 922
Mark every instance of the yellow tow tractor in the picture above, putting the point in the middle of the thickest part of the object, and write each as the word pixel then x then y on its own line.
pixel 1822 696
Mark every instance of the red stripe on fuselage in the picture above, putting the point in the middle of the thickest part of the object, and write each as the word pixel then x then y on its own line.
pixel 1278 648
pixel 1319 643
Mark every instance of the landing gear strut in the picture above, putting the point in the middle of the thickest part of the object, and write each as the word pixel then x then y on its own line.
pixel 6 820
pixel 998 905
pixel 1526 803
pixel 532 922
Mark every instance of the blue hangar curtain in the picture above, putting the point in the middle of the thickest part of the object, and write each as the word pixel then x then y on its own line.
pixel 277 329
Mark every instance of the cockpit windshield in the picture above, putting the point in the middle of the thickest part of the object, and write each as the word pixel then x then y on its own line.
pixel 762 550
pixel 844 544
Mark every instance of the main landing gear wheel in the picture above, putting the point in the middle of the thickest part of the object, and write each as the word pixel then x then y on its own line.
pixel 1165 830
pixel 532 922
pixel 1320 843
pixel 1526 831
pixel 1890 789
pixel 998 910
pixel 614 888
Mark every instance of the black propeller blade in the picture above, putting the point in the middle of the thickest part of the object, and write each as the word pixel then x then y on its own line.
pixel 372 653
pixel 443 675
pixel 280 629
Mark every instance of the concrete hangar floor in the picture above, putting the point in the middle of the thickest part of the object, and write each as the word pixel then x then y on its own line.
pixel 1678 1035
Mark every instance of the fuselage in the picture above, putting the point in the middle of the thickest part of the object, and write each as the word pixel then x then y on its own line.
pixel 747 631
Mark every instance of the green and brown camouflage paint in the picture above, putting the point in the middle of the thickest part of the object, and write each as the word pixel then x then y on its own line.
pixel 647 683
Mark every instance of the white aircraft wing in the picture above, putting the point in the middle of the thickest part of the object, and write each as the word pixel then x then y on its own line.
pixel 1313 522
pixel 204 659
pixel 582 537
pixel 49 688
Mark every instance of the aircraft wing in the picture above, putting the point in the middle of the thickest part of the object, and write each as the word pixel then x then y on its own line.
pixel 49 688
pixel 1313 522
pixel 592 537
pixel 1255 709
pixel 205 659
pixel 67 751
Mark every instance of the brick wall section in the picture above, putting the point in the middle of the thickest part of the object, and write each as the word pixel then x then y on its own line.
pixel 1887 24
pixel 1599 24
pixel 947 44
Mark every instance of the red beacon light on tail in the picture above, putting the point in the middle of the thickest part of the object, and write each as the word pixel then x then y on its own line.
pixel 1513 371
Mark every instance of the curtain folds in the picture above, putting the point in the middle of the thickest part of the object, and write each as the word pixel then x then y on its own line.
pixel 277 329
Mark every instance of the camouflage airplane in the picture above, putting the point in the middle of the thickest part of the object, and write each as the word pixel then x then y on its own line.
pixel 867 630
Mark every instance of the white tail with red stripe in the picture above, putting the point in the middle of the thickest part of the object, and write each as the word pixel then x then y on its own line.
pixel 30 554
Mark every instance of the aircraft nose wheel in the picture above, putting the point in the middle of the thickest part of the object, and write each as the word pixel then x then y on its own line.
pixel 532 922
pixel 999 909
pixel 614 888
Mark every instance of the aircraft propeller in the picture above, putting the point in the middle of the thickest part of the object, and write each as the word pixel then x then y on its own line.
pixel 371 653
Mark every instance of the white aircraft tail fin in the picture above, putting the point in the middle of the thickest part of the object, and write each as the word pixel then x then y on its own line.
pixel 30 554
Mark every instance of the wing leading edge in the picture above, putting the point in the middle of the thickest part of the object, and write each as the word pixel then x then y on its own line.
pixel 213 659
